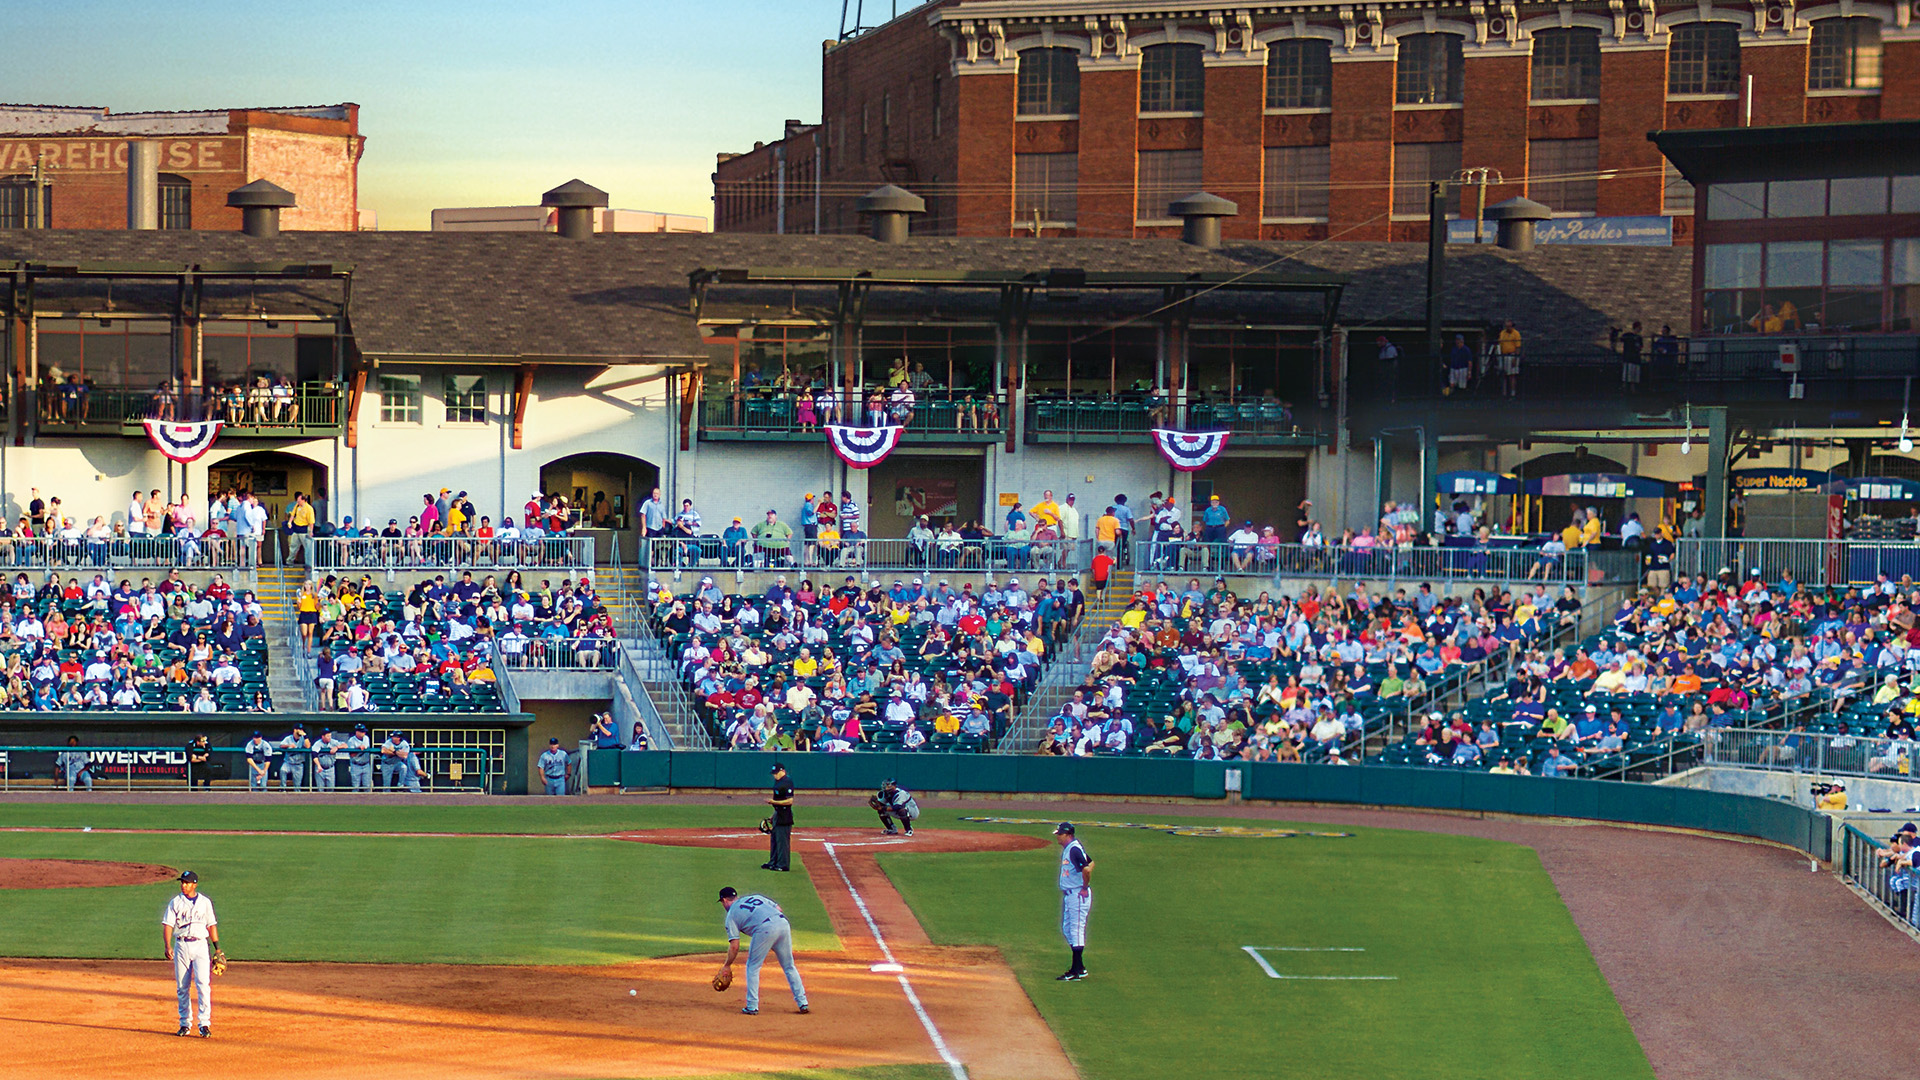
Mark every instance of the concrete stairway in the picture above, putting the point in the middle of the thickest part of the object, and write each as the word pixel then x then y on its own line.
pixel 1064 674
pixel 276 588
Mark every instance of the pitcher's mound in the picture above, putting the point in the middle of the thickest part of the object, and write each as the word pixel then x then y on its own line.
pixel 79 873
pixel 871 841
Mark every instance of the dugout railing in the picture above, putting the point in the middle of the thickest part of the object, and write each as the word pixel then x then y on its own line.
pixel 1871 869
pixel 472 769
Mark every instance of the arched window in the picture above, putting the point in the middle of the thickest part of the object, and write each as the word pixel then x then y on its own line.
pixel 176 202
pixel 1566 64
pixel 1049 82
pixel 1173 78
pixel 1429 70
pixel 16 204
pixel 1299 74
pixel 1704 58
pixel 1844 54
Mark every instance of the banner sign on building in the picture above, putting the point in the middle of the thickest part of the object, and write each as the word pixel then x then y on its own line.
pixel 1635 231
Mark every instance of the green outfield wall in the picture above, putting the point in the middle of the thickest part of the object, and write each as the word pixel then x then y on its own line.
pixel 1159 778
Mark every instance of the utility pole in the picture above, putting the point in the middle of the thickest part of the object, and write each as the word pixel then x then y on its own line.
pixel 1436 264
pixel 1479 177
pixel 39 182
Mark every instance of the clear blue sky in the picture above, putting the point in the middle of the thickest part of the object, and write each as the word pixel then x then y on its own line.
pixel 468 103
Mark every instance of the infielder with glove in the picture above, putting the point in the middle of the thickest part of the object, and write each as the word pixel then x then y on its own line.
pixel 761 920
pixel 892 803
pixel 1076 897
pixel 192 939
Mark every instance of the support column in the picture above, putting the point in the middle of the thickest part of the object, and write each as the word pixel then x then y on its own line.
pixel 1716 493
pixel 1429 472
pixel 1382 477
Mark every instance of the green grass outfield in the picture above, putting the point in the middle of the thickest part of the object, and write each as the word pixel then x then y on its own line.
pixel 1491 977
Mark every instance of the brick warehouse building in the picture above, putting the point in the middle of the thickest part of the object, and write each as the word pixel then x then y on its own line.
pixel 1319 120
pixel 203 155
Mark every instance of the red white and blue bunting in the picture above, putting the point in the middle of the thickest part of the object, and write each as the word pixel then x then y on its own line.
pixel 1189 450
pixel 863 447
pixel 182 442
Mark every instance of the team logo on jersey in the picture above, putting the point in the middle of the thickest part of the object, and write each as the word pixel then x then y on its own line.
pixel 1258 832
pixel 182 442
pixel 863 447
pixel 1189 450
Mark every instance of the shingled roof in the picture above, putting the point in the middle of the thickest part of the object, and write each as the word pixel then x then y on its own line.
pixel 624 297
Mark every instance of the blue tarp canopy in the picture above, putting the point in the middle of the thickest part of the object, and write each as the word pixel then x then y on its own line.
pixel 1474 482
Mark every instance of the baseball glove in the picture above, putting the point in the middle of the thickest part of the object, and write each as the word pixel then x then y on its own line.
pixel 766 825
pixel 219 962
pixel 723 980
pixel 876 802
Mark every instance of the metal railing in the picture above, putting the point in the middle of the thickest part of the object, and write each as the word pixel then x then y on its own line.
pixel 887 556
pixel 1823 753
pixel 129 768
pixel 1816 563
pixel 1869 866
pixel 308 409
pixel 1054 418
pixel 561 654
pixel 337 553
pixel 929 415
pixel 129 553
pixel 1494 564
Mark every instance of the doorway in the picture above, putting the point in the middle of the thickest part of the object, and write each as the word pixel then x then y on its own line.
pixel 944 488
pixel 605 490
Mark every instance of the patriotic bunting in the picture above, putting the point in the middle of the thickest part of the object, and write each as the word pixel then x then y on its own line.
pixel 182 442
pixel 863 447
pixel 1189 450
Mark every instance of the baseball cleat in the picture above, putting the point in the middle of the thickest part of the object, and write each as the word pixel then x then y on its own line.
pixel 1076 976
pixel 751 1012
pixel 206 1032
pixel 893 832
pixel 805 1009
pixel 1068 977
pixel 182 1031
pixel 766 866
pixel 909 832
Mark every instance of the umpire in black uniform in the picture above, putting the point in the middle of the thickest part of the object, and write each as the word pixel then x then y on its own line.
pixel 780 852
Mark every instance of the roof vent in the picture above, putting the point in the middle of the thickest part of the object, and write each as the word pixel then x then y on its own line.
pixel 260 204
pixel 889 207
pixel 1516 217
pixel 1200 215
pixel 576 200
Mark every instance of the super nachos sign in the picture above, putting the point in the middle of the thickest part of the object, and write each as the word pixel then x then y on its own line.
pixel 1257 832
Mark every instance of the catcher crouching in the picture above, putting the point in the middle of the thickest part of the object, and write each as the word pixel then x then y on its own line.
pixel 895 804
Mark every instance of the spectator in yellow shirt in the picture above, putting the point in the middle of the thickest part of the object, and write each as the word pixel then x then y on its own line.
pixel 1510 360
pixel 1573 536
pixel 1046 509
pixel 1590 532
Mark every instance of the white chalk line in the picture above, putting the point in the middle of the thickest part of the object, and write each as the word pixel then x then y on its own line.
pixel 1255 951
pixel 939 1044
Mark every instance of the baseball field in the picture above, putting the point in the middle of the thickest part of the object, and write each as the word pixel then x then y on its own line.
pixel 578 940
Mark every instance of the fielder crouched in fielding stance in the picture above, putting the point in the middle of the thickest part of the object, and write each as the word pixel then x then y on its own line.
pixel 191 935
pixel 1076 897
pixel 762 920
pixel 895 803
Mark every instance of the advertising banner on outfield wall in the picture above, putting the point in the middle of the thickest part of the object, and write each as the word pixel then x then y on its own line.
pixel 1636 231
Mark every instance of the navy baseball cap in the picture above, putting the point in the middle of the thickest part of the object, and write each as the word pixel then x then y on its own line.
pixel 777 768
pixel 1065 828
pixel 553 742
pixel 359 727
pixel 729 893
pixel 188 875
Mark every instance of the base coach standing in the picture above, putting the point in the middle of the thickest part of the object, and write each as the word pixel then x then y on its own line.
pixel 780 850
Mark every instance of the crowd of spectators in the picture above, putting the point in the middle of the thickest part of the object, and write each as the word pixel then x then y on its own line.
pixel 98 645
pixel 913 666
pixel 1215 675
pixel 432 646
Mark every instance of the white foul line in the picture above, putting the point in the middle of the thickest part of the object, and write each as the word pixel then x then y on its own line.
pixel 1254 951
pixel 913 999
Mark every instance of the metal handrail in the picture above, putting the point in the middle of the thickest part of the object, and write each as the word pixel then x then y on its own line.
pixel 394 554
pixel 864 554
pixel 938 413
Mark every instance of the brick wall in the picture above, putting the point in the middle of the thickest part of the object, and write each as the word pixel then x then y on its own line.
pixel 1623 127
pixel 895 70
pixel 1900 81
pixel 1495 91
pixel 1361 137
pixel 319 169
pixel 983 168
pixel 1779 82
pixel 1231 163
pixel 1109 112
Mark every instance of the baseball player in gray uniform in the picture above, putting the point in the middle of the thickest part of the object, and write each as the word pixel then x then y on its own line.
pixel 894 802
pixel 192 935
pixel 1076 897
pixel 326 756
pixel 761 920
pixel 360 759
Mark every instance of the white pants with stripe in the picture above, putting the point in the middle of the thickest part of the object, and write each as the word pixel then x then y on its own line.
pixel 1073 916
pixel 193 968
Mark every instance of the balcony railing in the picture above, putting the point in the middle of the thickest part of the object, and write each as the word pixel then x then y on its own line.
pixel 347 553
pixel 313 409
pixel 965 416
pixel 1261 421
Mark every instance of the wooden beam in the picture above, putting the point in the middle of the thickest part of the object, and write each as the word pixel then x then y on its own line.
pixel 522 394
pixel 356 390
pixel 689 399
